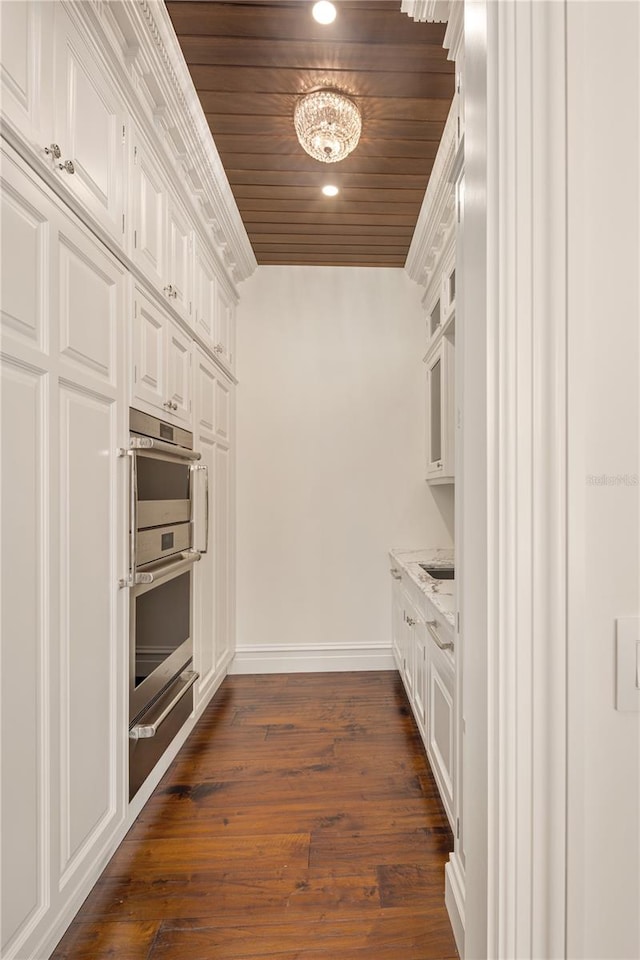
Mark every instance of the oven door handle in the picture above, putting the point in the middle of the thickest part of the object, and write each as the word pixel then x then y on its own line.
pixel 150 443
pixel 143 731
pixel 187 557
pixel 197 469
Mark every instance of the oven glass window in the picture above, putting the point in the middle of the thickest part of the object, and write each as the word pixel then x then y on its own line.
pixel 162 623
pixel 162 479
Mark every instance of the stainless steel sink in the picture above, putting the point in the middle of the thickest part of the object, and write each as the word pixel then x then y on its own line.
pixel 438 573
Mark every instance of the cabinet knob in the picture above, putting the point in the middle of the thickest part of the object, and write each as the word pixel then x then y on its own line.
pixel 68 166
pixel 53 150
pixel 171 291
pixel 218 348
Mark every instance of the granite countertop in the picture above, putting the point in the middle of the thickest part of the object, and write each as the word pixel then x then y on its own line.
pixel 441 593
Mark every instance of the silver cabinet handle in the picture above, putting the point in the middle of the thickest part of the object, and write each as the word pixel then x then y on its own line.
pixel 149 443
pixel 205 468
pixel 218 348
pixel 187 557
pixel 442 644
pixel 53 150
pixel 410 621
pixel 171 291
pixel 68 166
pixel 143 731
pixel 395 574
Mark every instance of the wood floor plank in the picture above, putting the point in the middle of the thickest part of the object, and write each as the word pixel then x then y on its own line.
pixel 130 940
pixel 300 819
pixel 379 938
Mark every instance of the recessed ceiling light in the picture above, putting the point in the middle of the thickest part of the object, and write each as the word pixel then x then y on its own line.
pixel 324 12
pixel 330 191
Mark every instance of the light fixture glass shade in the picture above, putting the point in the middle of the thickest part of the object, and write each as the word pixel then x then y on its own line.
pixel 328 125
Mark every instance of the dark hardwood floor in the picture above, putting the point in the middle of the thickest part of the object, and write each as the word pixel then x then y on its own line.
pixel 300 820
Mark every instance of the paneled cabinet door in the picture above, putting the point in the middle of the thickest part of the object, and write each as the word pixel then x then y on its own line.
pixel 397 620
pixel 205 295
pixel 178 351
pixel 420 675
pixel 440 726
pixel 149 197
pixel 225 327
pixel 204 570
pixel 27 66
pixel 161 362
pixel 89 127
pixel 223 547
pixel 178 272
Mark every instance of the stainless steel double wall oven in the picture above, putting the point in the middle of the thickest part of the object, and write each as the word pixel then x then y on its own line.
pixel 168 534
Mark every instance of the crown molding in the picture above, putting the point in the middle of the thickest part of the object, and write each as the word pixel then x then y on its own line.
pixel 436 218
pixel 145 52
pixel 429 11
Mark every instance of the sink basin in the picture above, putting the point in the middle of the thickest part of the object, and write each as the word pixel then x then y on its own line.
pixel 438 573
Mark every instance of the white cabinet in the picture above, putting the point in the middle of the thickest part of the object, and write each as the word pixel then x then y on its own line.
pixel 422 644
pixel 225 327
pixel 64 623
pixel 213 575
pixel 214 311
pixel 148 211
pixel 56 92
pixel 27 68
pixel 160 229
pixel 179 247
pixel 161 362
pixel 441 717
pixel 89 127
pixel 205 294
pixel 440 411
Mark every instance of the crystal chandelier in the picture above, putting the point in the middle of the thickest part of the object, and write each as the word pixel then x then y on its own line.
pixel 328 125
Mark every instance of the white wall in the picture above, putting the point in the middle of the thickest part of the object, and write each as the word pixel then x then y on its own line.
pixel 603 850
pixel 330 463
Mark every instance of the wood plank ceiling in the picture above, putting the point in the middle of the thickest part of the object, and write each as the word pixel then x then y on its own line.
pixel 250 60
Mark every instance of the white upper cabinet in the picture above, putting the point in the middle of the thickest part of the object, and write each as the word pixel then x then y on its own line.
pixel 88 128
pixel 440 412
pixel 161 362
pixel 27 64
pixel 224 347
pixel 148 212
pixel 205 295
pixel 179 260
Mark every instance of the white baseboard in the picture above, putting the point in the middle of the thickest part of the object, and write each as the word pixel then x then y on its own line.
pixel 454 899
pixel 312 659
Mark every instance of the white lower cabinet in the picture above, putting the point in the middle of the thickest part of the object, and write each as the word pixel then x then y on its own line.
pixel 64 622
pixel 441 725
pixel 213 579
pixel 422 644
pixel 161 362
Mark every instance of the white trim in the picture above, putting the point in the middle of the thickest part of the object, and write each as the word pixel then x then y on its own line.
pixel 312 658
pixel 525 471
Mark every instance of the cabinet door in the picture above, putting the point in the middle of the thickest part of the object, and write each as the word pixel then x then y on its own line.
pixel 223 548
pixel 225 327
pixel 179 258
pixel 88 126
pixel 205 295
pixel 420 675
pixel 440 405
pixel 441 726
pixel 149 365
pixel 148 209
pixel 26 71
pixel 178 353
pixel 204 640
pixel 397 623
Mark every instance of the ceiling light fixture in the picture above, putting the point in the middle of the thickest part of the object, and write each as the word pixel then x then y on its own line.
pixel 324 12
pixel 330 190
pixel 328 125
